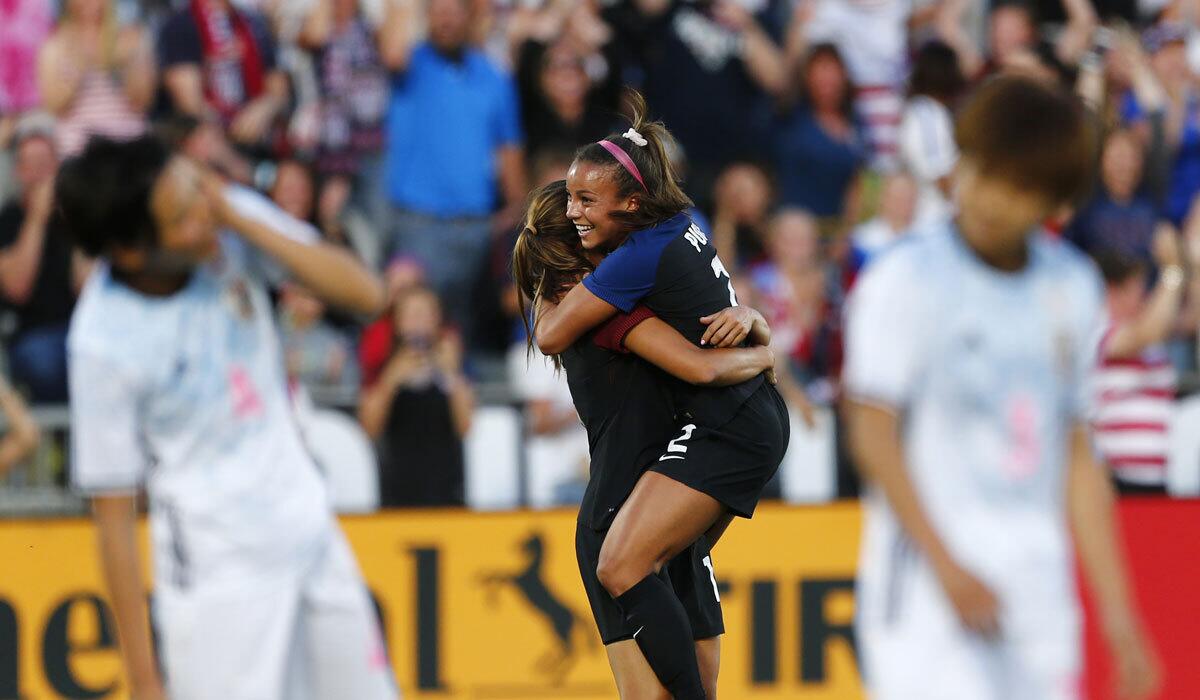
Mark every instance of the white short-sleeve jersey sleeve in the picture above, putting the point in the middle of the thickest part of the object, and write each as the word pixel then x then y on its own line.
pixel 884 331
pixel 108 454
pixel 260 209
pixel 1093 322
pixel 927 140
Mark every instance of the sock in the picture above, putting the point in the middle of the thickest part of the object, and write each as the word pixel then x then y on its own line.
pixel 664 636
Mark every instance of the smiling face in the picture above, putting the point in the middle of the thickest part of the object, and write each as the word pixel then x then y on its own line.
pixel 592 197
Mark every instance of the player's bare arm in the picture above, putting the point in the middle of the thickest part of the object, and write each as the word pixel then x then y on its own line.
pixel 655 341
pixel 332 273
pixel 116 528
pixel 877 449
pixel 1090 508
pixel 729 327
pixel 559 325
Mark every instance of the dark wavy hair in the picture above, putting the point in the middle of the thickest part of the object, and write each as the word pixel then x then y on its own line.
pixel 936 73
pixel 103 194
pixel 663 197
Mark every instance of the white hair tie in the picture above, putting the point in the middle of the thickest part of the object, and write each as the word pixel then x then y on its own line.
pixel 635 137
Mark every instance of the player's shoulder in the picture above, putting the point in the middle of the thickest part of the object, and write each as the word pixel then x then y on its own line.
pixel 116 325
pixel 1062 259
pixel 651 243
pixel 921 250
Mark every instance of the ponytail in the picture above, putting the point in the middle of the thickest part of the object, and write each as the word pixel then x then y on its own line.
pixel 652 176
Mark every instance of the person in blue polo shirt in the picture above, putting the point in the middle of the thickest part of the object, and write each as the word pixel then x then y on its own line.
pixel 454 158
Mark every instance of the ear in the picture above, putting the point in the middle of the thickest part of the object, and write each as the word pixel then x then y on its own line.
pixel 634 203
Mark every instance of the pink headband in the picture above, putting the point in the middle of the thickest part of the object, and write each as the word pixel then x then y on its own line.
pixel 624 159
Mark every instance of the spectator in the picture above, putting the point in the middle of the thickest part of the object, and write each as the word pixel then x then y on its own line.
pixel 1135 382
pixel 796 293
pixel 740 212
pixel 316 354
pixel 1013 40
pixel 1119 220
pixel 22 437
pixel 39 277
pixel 220 62
pixel 420 409
pixel 895 219
pixel 570 82
pixel 927 148
pixel 453 135
pixel 1181 123
pixel 820 145
pixel 353 95
pixel 95 77
pixel 872 36
pixel 556 448
pixel 717 59
pixel 343 223
pixel 205 142
pixel 375 347
pixel 294 189
pixel 24 26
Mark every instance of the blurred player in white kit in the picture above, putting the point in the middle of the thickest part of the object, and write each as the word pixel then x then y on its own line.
pixel 177 386
pixel 968 352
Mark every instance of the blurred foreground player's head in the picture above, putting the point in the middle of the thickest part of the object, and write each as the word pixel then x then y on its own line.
pixel 1026 152
pixel 145 210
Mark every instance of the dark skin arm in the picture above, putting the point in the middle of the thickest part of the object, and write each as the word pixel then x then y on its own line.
pixel 661 345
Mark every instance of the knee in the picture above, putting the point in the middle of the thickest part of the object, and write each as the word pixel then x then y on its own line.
pixel 612 574
pixel 618 573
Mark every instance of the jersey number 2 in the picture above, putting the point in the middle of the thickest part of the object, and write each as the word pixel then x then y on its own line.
pixel 718 269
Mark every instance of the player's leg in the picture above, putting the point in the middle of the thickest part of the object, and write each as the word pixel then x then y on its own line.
pixel 635 679
pixel 708 654
pixel 344 654
pixel 1047 652
pixel 658 520
pixel 227 644
pixel 914 648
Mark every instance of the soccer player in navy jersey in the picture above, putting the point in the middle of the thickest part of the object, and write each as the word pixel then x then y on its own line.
pixel 627 407
pixel 623 197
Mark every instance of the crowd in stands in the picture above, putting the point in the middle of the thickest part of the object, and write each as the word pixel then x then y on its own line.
pixel 814 134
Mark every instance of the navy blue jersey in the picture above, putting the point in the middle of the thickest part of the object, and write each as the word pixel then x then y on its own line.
pixel 626 407
pixel 673 269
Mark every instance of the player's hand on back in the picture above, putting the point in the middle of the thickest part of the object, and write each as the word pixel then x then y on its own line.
pixel 976 605
pixel 728 327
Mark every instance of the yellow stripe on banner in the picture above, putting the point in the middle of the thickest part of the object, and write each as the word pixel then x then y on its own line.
pixel 477 606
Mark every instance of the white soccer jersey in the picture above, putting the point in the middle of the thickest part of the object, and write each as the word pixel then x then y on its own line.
pixel 988 371
pixel 186 396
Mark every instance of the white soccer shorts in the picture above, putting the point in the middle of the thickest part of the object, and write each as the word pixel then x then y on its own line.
pixel 314 638
pixel 913 647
